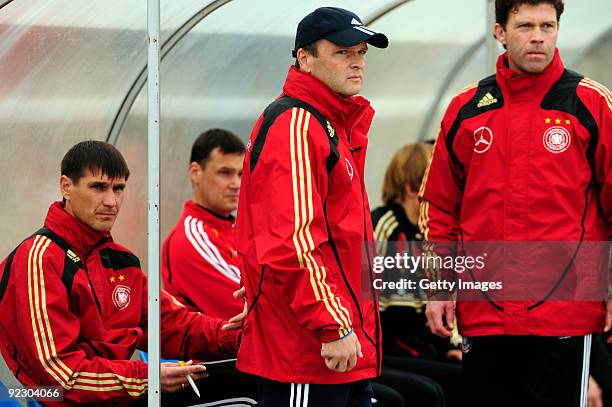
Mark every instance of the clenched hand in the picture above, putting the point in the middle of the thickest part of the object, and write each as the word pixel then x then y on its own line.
pixel 341 355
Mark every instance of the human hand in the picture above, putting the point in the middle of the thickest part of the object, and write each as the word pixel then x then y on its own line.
pixel 173 377
pixel 454 355
pixel 595 397
pixel 237 321
pixel 608 326
pixel 341 354
pixel 440 317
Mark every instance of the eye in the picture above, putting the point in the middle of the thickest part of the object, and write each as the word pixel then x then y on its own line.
pixel 342 52
pixel 119 188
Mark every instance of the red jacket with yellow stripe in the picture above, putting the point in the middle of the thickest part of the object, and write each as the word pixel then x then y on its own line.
pixel 302 222
pixel 525 158
pixel 72 318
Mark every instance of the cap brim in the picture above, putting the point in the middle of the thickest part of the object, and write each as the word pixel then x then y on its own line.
pixel 358 34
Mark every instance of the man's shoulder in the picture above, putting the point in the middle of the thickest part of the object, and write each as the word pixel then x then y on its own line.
pixel 35 248
pixel 594 86
pixel 594 91
pixel 199 229
pixel 185 232
pixel 112 245
pixel 578 95
pixel 113 255
pixel 463 96
pixel 476 98
pixel 287 110
pixel 466 93
pixel 574 82
pixel 486 92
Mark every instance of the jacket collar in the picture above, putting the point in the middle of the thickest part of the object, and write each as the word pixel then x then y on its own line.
pixel 341 111
pixel 517 82
pixel 80 236
pixel 200 212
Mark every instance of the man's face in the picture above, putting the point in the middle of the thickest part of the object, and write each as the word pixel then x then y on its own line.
pixel 95 199
pixel 530 37
pixel 341 68
pixel 216 183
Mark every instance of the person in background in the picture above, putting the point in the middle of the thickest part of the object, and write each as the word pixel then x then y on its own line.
pixel 200 265
pixel 422 366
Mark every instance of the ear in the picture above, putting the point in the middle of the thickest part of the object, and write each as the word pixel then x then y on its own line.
pixel 409 193
pixel 194 172
pixel 500 33
pixel 66 185
pixel 303 58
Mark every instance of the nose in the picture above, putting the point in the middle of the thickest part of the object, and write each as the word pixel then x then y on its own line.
pixel 110 199
pixel 538 36
pixel 235 182
pixel 358 61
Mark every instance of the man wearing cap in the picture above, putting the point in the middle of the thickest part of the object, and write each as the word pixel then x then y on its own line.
pixel 312 333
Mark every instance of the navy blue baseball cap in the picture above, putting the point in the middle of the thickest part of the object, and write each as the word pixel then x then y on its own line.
pixel 340 26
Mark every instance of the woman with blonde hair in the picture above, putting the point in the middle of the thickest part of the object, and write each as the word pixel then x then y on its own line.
pixel 417 363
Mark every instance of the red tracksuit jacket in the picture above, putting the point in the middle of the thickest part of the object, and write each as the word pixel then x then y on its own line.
pixel 301 233
pixel 77 327
pixel 524 157
pixel 200 263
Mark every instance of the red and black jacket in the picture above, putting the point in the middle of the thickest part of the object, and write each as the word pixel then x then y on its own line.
pixel 524 158
pixel 302 224
pixel 74 310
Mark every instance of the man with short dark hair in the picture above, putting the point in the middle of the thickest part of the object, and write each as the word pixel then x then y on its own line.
pixel 525 156
pixel 200 265
pixel 74 302
pixel 312 331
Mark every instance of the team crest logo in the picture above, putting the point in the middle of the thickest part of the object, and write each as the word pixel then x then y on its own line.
pixel 483 138
pixel 121 296
pixel 557 139
pixel 349 168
